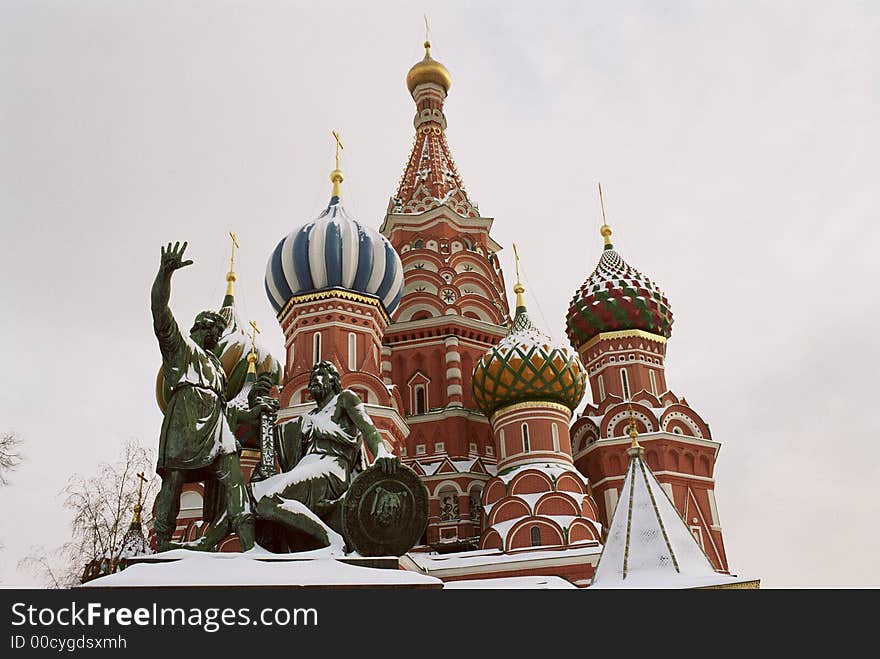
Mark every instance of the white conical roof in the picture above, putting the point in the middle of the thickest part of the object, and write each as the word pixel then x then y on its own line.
pixel 648 544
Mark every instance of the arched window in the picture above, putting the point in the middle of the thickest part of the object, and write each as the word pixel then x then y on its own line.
pixel 554 430
pixel 535 532
pixel 653 381
pixel 624 381
pixel 190 504
pixel 316 347
pixel 525 437
pixel 448 504
pixel 601 389
pixel 421 403
pixel 352 351
pixel 418 244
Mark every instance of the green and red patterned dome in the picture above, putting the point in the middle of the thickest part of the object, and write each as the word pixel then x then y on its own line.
pixel 616 297
pixel 527 366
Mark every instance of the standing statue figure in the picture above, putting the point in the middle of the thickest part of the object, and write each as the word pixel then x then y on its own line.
pixel 196 442
pixel 317 454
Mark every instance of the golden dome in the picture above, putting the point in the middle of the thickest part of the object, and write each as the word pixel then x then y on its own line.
pixel 428 70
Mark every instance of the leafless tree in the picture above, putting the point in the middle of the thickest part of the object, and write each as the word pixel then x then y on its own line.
pixel 10 458
pixel 102 505
pixel 10 455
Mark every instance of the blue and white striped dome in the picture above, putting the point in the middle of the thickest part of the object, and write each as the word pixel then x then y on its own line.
pixel 334 251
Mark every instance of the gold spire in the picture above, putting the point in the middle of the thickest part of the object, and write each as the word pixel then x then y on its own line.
pixel 518 288
pixel 230 276
pixel 605 230
pixel 136 520
pixel 336 174
pixel 252 356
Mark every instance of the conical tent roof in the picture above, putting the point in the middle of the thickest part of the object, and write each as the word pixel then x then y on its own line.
pixel 648 544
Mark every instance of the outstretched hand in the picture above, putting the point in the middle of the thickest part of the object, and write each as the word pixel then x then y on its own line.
pixel 172 258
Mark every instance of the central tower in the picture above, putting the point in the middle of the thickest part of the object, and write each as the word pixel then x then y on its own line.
pixel 453 308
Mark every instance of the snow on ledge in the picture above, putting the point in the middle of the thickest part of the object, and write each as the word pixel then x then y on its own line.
pixel 525 583
pixel 215 569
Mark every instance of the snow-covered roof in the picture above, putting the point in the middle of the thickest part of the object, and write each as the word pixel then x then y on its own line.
pixel 432 562
pixel 463 465
pixel 648 544
pixel 504 527
pixel 552 469
pixel 431 467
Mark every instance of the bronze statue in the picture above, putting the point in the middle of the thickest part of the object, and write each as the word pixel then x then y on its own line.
pixel 317 454
pixel 196 442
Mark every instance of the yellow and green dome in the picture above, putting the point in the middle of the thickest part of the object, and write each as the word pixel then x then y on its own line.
pixel 527 365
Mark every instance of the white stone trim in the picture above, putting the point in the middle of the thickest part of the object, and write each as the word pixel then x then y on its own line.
pixel 610 503
pixel 713 509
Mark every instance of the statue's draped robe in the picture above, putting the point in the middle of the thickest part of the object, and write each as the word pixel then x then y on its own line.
pixel 329 453
pixel 195 431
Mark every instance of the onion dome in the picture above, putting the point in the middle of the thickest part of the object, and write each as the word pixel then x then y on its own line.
pixel 527 365
pixel 234 347
pixel 335 251
pixel 428 70
pixel 616 297
pixel 240 352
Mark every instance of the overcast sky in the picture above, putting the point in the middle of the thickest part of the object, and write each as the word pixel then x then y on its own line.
pixel 738 144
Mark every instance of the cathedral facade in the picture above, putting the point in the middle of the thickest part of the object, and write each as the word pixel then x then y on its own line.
pixel 471 396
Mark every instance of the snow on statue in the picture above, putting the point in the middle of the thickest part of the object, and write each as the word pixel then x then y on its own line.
pixel 317 453
pixel 196 442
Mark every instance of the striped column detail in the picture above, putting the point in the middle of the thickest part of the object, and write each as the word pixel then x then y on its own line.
pixel 386 365
pixel 453 373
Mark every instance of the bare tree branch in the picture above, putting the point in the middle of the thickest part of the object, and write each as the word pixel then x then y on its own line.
pixel 102 505
pixel 46 569
pixel 10 455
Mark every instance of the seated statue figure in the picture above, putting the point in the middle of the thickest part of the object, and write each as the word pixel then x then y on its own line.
pixel 317 453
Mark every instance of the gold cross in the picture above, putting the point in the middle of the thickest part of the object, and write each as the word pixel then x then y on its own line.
pixel 427 29
pixel 254 332
pixel 142 480
pixel 602 202
pixel 516 261
pixel 338 146
pixel 234 246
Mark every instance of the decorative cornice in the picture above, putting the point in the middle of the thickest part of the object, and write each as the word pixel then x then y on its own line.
pixel 530 405
pixel 334 293
pixel 649 438
pixel 621 334
pixel 443 326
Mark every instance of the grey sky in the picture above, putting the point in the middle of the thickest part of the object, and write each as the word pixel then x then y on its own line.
pixel 738 145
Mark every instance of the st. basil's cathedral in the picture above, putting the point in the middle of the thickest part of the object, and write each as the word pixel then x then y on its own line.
pixel 478 401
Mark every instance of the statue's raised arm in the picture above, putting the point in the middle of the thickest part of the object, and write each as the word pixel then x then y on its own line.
pixel 163 321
